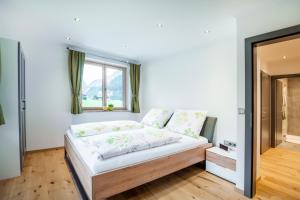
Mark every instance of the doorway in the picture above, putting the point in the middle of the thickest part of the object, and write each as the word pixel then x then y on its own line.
pixel 278 172
pixel 274 127
pixel 252 130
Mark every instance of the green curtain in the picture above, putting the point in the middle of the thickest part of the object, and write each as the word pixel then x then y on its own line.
pixel 76 64
pixel 135 86
pixel 2 121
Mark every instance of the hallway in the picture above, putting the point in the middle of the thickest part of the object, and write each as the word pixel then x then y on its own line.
pixel 280 173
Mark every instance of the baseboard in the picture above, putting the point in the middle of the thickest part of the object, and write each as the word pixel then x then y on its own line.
pixel 48 149
pixel 293 139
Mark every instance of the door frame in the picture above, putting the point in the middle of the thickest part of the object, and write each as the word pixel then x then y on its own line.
pixel 250 152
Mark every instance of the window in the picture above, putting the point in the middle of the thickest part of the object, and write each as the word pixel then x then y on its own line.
pixel 102 85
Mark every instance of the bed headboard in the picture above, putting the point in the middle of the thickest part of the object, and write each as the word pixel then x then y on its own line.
pixel 208 129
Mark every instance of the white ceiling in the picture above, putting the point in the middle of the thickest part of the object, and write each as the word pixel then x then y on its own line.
pixel 280 58
pixel 276 52
pixel 125 27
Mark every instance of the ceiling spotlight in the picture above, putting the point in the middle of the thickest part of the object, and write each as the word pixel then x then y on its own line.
pixel 206 31
pixel 68 38
pixel 76 19
pixel 159 25
pixel 284 57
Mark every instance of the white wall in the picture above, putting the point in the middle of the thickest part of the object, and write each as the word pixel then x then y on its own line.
pixel 202 78
pixel 103 116
pixel 162 76
pixel 48 96
pixel 9 132
pixel 280 14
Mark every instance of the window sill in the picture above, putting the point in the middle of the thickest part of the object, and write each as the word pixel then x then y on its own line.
pixel 104 111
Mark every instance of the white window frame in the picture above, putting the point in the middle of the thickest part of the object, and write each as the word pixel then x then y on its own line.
pixel 104 87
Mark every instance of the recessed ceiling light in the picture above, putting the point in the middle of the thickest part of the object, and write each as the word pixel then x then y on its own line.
pixel 284 57
pixel 125 46
pixel 68 38
pixel 76 19
pixel 206 31
pixel 159 25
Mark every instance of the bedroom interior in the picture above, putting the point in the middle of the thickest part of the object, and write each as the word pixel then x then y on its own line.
pixel 132 100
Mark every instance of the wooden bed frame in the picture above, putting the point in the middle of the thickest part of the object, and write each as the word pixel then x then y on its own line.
pixel 104 185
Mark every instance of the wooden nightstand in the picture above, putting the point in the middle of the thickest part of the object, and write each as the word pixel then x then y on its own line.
pixel 221 163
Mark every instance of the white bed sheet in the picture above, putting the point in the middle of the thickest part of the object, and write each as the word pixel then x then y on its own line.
pixel 100 166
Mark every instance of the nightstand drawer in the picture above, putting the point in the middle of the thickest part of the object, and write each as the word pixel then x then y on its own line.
pixel 221 160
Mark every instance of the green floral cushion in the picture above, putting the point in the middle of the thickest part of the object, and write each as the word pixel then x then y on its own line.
pixel 187 122
pixel 157 118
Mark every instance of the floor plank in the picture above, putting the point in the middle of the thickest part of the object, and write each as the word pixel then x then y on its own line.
pixel 46 176
pixel 280 174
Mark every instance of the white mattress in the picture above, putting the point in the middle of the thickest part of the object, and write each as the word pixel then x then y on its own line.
pixel 100 166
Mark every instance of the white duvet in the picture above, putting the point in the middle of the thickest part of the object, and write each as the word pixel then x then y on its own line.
pixel 88 154
pixel 119 143
pixel 96 128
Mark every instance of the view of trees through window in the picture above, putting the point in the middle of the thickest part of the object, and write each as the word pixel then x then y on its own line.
pixel 102 85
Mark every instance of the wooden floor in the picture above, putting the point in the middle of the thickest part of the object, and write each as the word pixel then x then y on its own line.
pixel 280 175
pixel 46 176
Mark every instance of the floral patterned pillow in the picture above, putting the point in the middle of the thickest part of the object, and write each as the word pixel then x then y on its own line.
pixel 157 117
pixel 187 122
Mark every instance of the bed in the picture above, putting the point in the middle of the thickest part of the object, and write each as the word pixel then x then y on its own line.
pixel 100 179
